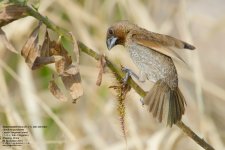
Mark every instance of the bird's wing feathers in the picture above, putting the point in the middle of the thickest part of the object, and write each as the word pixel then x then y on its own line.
pixel 161 43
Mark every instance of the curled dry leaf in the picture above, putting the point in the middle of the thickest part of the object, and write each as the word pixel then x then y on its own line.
pixel 57 49
pixel 37 56
pixel 11 12
pixel 6 43
pixel 53 52
pixel 72 69
pixel 41 61
pixel 76 89
pixel 75 49
pixel 72 83
pixel 55 90
pixel 30 48
pixel 45 48
pixel 102 65
pixel 69 72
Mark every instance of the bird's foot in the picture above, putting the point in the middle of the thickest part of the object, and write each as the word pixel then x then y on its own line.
pixel 128 73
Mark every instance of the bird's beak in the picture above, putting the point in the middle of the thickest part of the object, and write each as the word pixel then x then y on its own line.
pixel 111 42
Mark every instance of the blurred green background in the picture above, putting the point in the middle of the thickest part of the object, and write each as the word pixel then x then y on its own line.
pixel 93 122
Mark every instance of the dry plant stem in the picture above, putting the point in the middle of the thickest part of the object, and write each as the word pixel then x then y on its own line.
pixel 117 72
pixel 48 23
pixel 194 136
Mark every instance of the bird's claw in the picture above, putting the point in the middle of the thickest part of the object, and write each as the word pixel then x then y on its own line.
pixel 127 74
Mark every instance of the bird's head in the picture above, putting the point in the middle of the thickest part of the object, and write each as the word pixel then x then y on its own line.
pixel 117 33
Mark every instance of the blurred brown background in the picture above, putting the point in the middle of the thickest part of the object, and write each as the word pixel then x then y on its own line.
pixel 93 122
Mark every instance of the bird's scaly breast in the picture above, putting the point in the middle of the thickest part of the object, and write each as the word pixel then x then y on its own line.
pixel 156 66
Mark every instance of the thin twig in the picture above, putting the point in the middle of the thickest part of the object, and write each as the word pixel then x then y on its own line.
pixel 115 70
pixel 194 136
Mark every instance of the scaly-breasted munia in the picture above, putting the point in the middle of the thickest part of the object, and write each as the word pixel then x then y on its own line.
pixel 153 53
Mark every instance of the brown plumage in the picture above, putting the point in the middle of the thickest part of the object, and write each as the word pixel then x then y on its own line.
pixel 153 53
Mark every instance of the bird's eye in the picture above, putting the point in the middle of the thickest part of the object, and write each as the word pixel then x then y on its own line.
pixel 110 31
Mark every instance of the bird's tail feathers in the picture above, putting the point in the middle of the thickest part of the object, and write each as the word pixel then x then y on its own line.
pixel 165 103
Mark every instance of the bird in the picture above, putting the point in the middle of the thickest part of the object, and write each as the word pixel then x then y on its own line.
pixel 153 54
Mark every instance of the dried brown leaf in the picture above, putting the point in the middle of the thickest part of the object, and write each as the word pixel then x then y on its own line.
pixel 11 12
pixel 38 56
pixel 63 64
pixel 6 43
pixel 56 91
pixel 57 49
pixel 72 69
pixel 73 84
pixel 45 48
pixel 41 61
pixel 69 72
pixel 71 77
pixel 30 48
pixel 102 65
pixel 75 49
pixel 60 66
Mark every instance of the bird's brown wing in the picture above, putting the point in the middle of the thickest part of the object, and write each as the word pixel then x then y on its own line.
pixel 163 44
